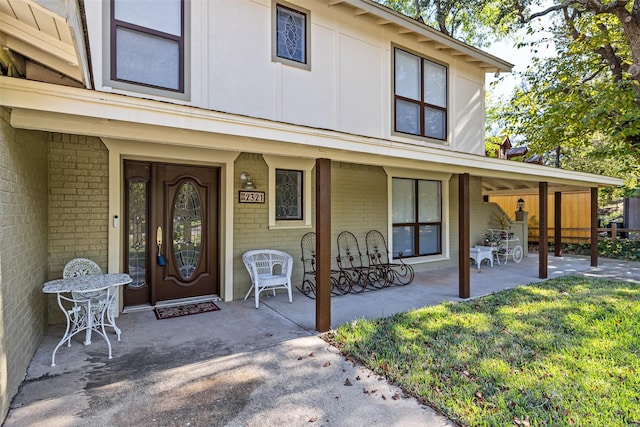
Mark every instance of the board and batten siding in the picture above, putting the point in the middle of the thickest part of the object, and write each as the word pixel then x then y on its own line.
pixel 349 87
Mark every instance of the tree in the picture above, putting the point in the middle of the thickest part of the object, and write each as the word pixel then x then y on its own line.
pixel 476 22
pixel 582 105
pixel 586 100
pixel 611 29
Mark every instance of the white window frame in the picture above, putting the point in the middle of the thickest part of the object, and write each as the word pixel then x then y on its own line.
pixel 447 108
pixel 444 179
pixel 290 163
pixel 120 86
pixel 274 35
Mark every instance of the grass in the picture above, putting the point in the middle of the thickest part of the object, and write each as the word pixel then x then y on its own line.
pixel 565 352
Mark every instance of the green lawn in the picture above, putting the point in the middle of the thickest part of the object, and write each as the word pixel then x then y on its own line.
pixel 565 352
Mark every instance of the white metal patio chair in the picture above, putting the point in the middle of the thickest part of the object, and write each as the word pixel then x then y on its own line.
pixel 83 266
pixel 269 269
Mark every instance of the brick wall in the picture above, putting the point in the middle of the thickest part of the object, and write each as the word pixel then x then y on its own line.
pixel 358 201
pixel 23 252
pixel 358 204
pixel 78 205
pixel 251 225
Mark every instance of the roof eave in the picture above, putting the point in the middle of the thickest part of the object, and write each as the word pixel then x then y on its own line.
pixel 427 34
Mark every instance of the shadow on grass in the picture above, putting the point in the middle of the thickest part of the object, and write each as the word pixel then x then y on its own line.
pixel 561 352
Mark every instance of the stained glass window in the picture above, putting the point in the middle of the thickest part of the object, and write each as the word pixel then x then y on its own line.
pixel 187 229
pixel 137 228
pixel 288 194
pixel 291 34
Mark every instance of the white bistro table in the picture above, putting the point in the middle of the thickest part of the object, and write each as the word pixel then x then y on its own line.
pixel 480 253
pixel 80 316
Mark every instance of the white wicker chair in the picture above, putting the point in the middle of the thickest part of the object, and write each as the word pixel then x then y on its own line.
pixel 269 270
pixel 83 266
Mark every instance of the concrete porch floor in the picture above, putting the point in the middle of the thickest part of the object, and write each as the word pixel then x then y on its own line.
pixel 245 367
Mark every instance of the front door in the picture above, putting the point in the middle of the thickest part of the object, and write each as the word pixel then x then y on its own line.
pixel 172 224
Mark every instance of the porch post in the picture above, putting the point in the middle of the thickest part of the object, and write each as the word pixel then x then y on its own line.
pixel 543 243
pixel 323 245
pixel 464 278
pixel 557 223
pixel 594 226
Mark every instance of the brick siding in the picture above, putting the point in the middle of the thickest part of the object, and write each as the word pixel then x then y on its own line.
pixel 23 252
pixel 358 204
pixel 78 204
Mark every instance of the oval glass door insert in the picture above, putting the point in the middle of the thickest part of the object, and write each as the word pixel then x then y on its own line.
pixel 187 229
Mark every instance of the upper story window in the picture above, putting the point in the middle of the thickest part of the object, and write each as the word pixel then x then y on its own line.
pixel 420 96
pixel 147 44
pixel 417 217
pixel 291 35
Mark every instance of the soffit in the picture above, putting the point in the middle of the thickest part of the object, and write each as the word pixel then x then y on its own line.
pixel 423 34
pixel 36 40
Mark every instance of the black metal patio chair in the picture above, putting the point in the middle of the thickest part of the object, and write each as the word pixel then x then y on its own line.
pixel 393 273
pixel 308 285
pixel 356 274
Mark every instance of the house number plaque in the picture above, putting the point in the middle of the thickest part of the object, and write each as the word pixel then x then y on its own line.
pixel 251 196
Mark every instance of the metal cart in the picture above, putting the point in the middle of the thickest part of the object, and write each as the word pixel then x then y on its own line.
pixel 507 244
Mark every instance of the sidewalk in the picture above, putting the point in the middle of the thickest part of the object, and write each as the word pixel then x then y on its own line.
pixel 245 367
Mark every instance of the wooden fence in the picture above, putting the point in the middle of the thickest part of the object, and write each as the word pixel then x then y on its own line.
pixel 582 234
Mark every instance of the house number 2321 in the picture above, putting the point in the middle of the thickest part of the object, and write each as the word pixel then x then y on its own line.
pixel 251 197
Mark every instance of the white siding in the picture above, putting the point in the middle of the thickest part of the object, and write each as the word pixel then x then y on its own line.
pixel 348 88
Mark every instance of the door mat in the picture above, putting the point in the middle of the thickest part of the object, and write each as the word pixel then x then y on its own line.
pixel 184 310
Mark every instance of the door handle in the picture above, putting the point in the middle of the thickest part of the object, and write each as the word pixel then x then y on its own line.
pixel 160 258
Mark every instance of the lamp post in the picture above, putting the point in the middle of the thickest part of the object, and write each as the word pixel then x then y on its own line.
pixel 520 213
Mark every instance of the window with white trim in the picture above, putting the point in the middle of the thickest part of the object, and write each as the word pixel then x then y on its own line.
pixel 147 45
pixel 417 217
pixel 290 34
pixel 290 191
pixel 420 96
pixel 289 195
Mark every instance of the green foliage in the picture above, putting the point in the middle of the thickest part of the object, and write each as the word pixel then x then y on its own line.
pixel 492 145
pixel 476 22
pixel 623 249
pixel 561 353
pixel 579 101
pixel 584 100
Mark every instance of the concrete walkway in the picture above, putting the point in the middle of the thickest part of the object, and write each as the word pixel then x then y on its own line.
pixel 245 367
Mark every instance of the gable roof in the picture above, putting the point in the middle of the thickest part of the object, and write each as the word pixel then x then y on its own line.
pixel 384 16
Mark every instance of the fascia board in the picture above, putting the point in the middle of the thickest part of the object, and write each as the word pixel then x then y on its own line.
pixel 112 113
pixel 411 24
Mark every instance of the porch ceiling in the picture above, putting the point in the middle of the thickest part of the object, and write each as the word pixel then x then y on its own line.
pixel 496 186
pixel 42 41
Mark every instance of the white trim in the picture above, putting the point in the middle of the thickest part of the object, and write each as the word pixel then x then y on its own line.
pixel 274 35
pixel 48 107
pixel 492 63
pixel 444 178
pixel 304 165
pixel 129 149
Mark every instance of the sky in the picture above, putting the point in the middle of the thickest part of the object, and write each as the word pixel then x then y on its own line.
pixel 520 58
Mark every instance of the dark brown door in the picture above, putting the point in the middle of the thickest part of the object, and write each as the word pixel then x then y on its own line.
pixel 181 231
